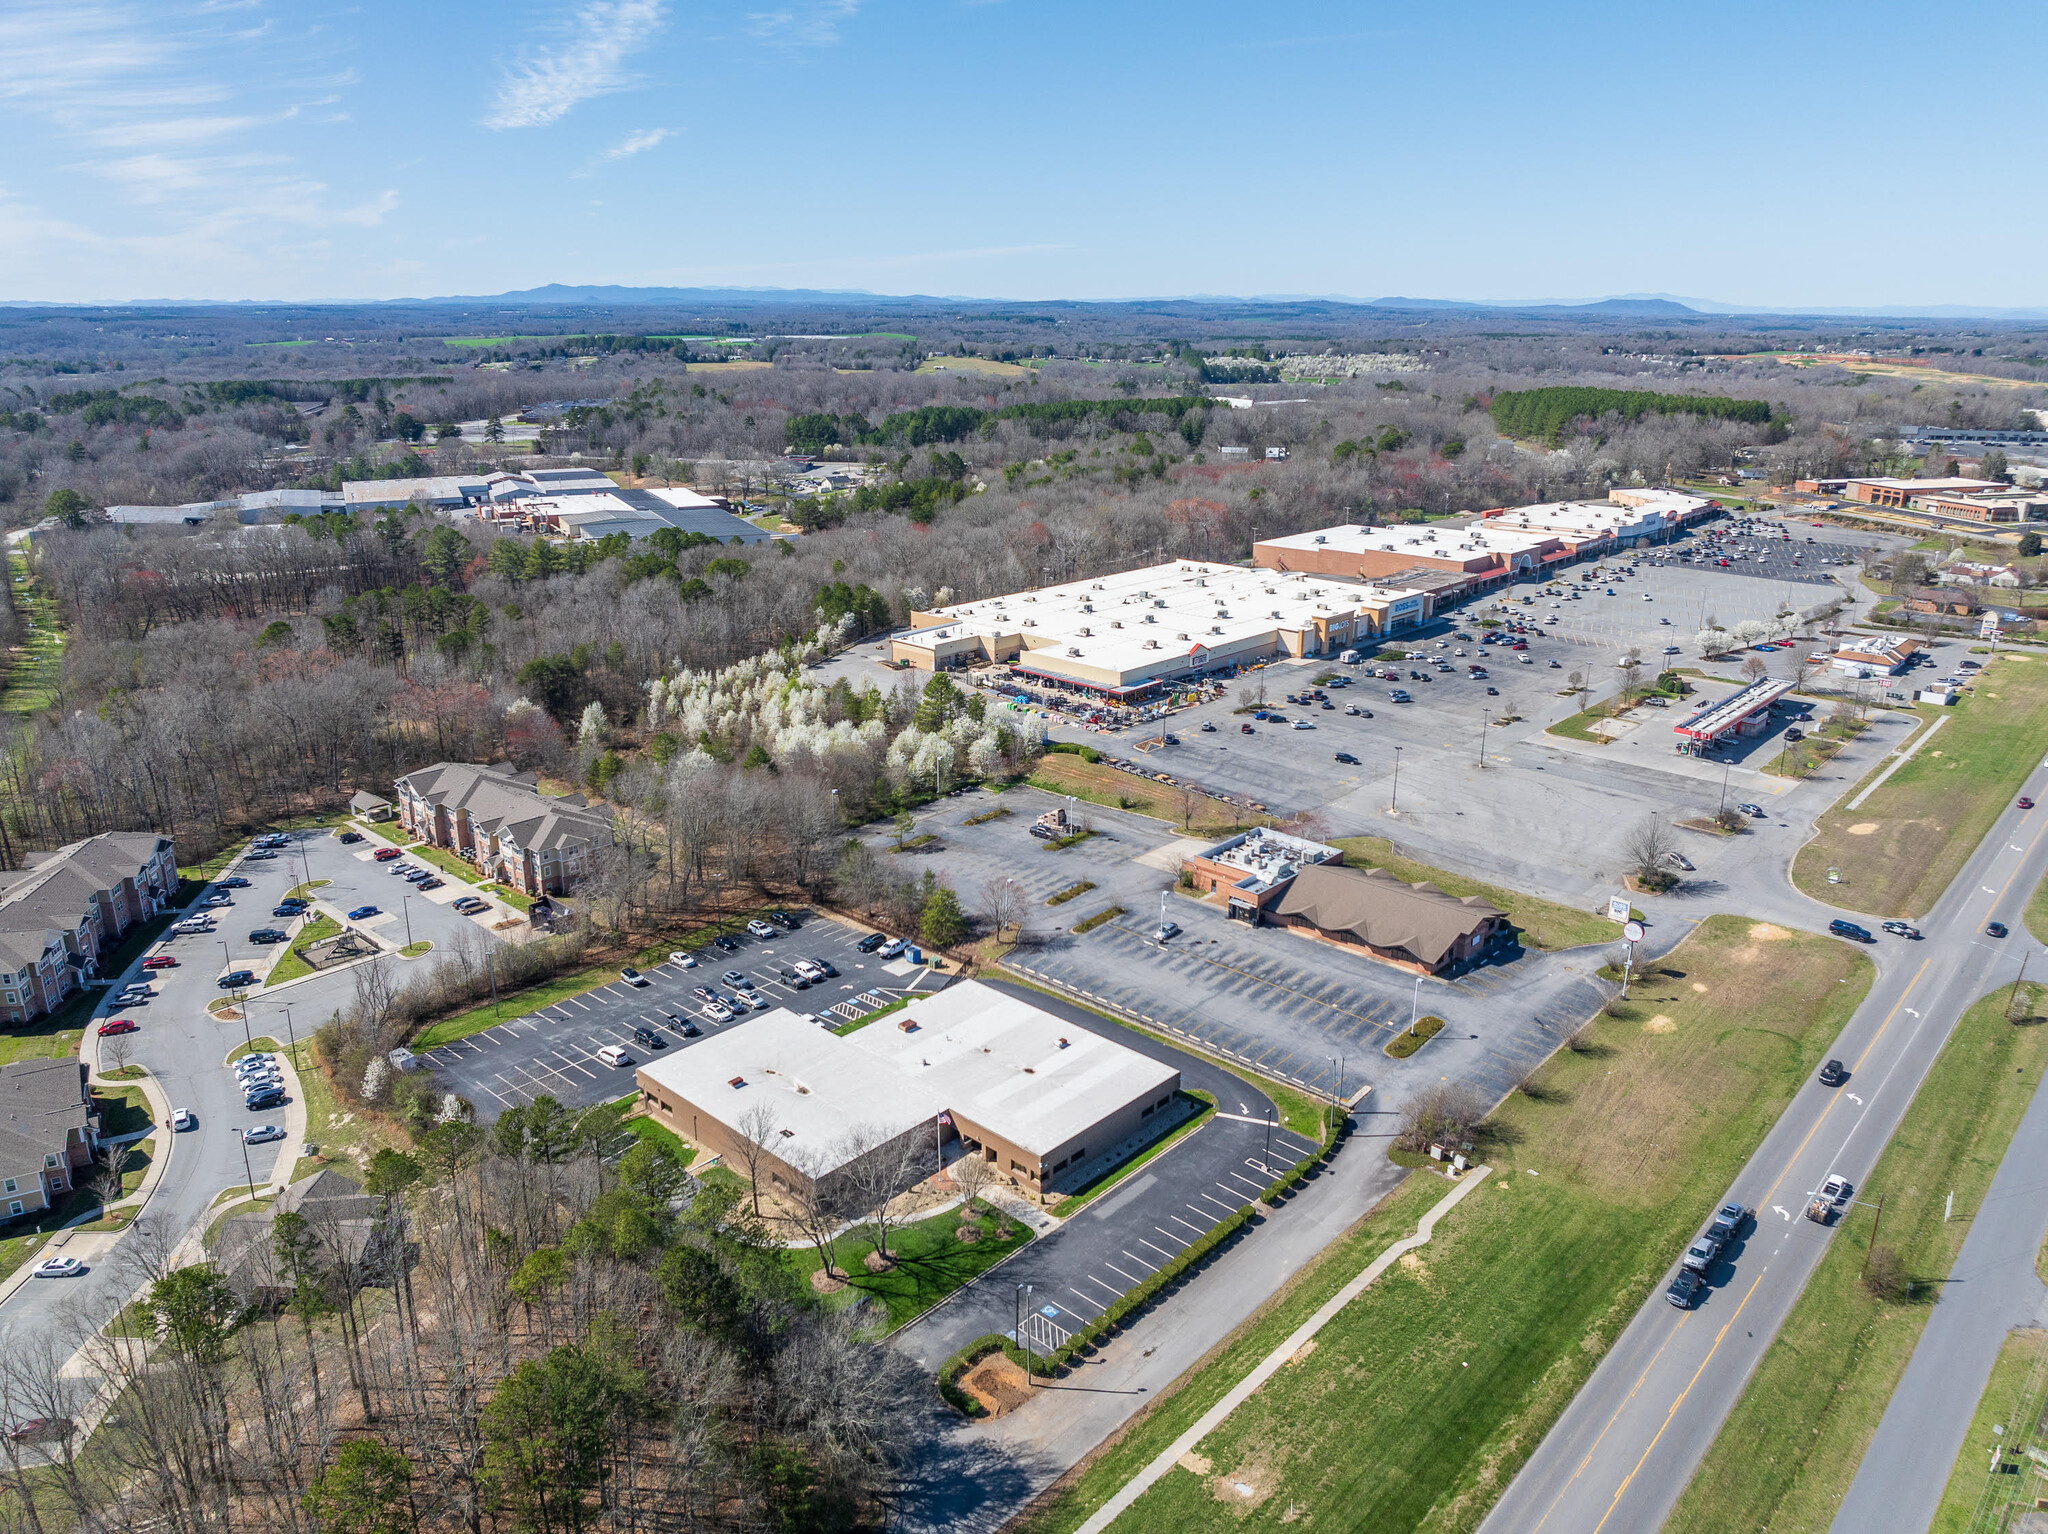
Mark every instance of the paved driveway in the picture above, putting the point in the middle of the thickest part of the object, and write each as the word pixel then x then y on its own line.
pixel 553 1051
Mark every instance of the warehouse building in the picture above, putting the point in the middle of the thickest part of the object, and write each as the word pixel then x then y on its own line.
pixel 1479 556
pixel 1037 1097
pixel 1127 634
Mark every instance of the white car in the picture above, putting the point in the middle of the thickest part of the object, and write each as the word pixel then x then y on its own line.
pixel 761 929
pixel 181 1119
pixel 718 1012
pixel 810 969
pixel 1301 724
pixel 891 949
pixel 682 959
pixel 59 1267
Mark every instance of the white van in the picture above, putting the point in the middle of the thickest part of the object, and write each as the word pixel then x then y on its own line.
pixel 1348 658
pixel 611 1054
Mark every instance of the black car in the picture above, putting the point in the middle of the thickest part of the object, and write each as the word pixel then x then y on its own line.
pixel 1833 1074
pixel 235 979
pixel 289 908
pixel 1849 929
pixel 831 973
pixel 348 837
pixel 1684 1289
pixel 783 919
pixel 269 1097
pixel 1347 758
pixel 725 944
pixel 1994 929
pixel 234 882
pixel 650 1038
pixel 871 942
pixel 267 935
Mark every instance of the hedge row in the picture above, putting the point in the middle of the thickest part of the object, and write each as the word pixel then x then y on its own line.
pixel 1289 1180
pixel 1074 748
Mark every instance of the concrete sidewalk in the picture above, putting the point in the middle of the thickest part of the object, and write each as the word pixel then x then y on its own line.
pixel 1991 1289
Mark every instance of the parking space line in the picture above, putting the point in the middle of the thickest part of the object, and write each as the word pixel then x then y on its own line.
pixel 1084 1298
pixel 1197 1229
pixel 1120 1273
pixel 1183 1246
pixel 1162 1251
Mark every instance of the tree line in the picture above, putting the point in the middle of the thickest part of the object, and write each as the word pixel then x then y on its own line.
pixel 1543 414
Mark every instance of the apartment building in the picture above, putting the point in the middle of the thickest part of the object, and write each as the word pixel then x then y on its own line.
pixel 498 819
pixel 59 915
pixel 48 1133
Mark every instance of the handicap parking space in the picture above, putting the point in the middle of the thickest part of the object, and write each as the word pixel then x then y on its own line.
pixel 553 1051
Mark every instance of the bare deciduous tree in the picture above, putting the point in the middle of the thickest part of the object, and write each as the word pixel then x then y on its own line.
pixel 878 1167
pixel 1648 843
pixel 1447 1112
pixel 1003 904
pixel 759 1127
pixel 972 1173
pixel 1755 668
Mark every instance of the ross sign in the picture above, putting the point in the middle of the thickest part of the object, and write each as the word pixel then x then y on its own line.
pixel 1988 629
pixel 1617 908
pixel 1633 931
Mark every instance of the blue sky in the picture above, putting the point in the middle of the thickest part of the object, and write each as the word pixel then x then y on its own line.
pixel 1802 153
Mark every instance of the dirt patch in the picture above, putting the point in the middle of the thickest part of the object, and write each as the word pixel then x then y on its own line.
pixel 1764 932
pixel 824 1284
pixel 1698 987
pixel 1198 1463
pixel 1245 1488
pixel 1000 1385
pixel 968 1234
pixel 1412 1262
pixel 1660 1024
pixel 1301 1354
pixel 877 1263
pixel 1862 828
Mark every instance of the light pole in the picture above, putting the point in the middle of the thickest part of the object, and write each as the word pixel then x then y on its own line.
pixel 1726 767
pixel 405 904
pixel 243 1135
pixel 1481 764
pixel 1415 1004
pixel 1394 803
pixel 1020 1304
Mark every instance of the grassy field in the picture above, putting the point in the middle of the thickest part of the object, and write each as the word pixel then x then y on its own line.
pixel 972 365
pixel 34 667
pixel 2011 1401
pixel 1423 1397
pixel 931 1262
pixel 289 965
pixel 1099 783
pixel 2036 916
pixel 1580 725
pixel 339 1129
pixel 1792 1444
pixel 1544 924
pixel 51 1036
pixel 447 862
pixel 1903 847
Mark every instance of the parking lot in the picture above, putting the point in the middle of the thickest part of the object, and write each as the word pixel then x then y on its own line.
pixel 553 1051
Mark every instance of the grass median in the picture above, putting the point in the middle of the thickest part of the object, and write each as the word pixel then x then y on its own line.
pixel 1789 1449
pixel 1905 843
pixel 1100 783
pixel 931 1261
pixel 291 965
pixel 1544 924
pixel 1421 1399
pixel 2007 1420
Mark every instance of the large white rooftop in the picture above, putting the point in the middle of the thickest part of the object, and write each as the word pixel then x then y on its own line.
pixel 1018 1072
pixel 820 1091
pixel 1419 542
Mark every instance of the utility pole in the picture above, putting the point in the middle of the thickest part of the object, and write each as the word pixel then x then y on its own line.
pixel 1393 804
pixel 1482 739
pixel 243 1135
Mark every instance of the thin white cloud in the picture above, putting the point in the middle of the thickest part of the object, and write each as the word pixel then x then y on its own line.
pixel 548 82
pixel 813 25
pixel 637 143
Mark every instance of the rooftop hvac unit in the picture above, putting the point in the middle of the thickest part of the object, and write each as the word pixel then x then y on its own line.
pixel 1215 628
pixel 1150 619
pixel 1116 625
pixel 1096 587
pixel 1087 633
pixel 1151 644
pixel 1201 580
pixel 1071 650
pixel 1321 539
pixel 1276 612
pixel 1180 636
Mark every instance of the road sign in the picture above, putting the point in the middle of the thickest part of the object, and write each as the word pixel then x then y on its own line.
pixel 1617 908
pixel 1633 931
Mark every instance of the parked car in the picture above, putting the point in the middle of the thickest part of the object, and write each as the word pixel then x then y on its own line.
pixel 717 1011
pixel 233 882
pixel 59 1267
pixel 1680 861
pixel 1208 727
pixel 650 1038
pixel 1245 729
pixel 432 882
pixel 364 913
pixel 42 1430
pixel 1347 758
pixel 1729 1221
pixel 265 1097
pixel 893 947
pixel 268 935
pixel 1399 695
pixel 1754 811
pixel 347 838
pixel 759 928
pixel 1301 724
pixel 289 908
pixel 725 944
pixel 734 978
pixel 1850 930
pixel 263 1134
pixel 1701 1254
pixel 115 1025
pixel 215 902
pixel 1833 1074
pixel 159 961
pixel 614 1056
pixel 824 966
pixel 633 976
pixel 469 905
pixel 871 942
pixel 386 854
pixel 682 958
pixel 261 855
pixel 784 920
pixel 182 1120
pixel 1168 930
pixel 1685 1288
pixel 235 979
pixel 795 979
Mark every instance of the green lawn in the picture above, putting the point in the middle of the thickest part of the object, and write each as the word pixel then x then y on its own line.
pixel 289 965
pixel 1580 725
pixel 511 897
pixel 1422 1398
pixel 2011 1401
pixel 336 1127
pixel 122 1111
pixel 447 862
pixel 1902 848
pixel 2036 916
pixel 1544 924
pixel 931 1262
pixel 517 1004
pixel 645 1128
pixel 51 1036
pixel 1788 1451
pixel 36 665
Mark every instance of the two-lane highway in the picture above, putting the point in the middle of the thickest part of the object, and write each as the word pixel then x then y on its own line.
pixel 1619 1457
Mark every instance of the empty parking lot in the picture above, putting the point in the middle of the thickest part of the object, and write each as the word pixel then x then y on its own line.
pixel 553 1051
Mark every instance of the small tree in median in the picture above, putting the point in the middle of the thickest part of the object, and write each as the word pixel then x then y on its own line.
pixel 1648 845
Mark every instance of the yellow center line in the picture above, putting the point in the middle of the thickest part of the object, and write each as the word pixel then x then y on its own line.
pixel 1624 1406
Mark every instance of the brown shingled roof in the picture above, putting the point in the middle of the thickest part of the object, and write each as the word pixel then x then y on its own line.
pixel 1375 908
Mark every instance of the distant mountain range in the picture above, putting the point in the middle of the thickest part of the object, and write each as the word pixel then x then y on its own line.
pixel 1649 306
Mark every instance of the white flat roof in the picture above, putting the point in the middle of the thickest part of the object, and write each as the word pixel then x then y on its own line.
pixel 1419 541
pixel 1036 1080
pixel 1155 615
pixel 819 1089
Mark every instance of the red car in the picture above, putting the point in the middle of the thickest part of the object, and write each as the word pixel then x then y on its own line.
pixel 2026 803
pixel 117 1025
pixel 386 854
pixel 160 961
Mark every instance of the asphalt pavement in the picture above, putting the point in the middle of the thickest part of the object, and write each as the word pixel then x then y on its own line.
pixel 1619 1457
